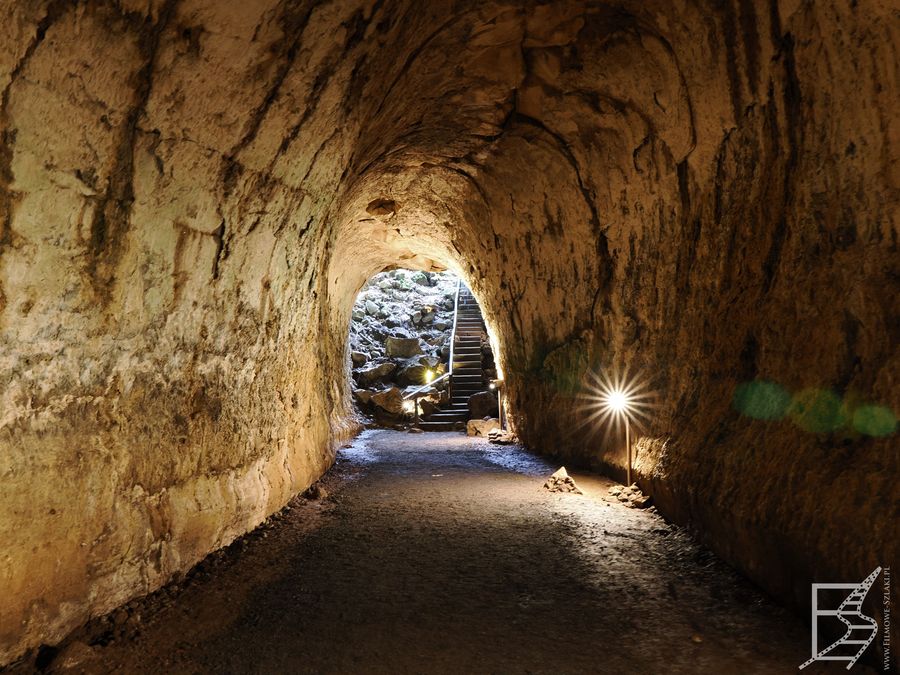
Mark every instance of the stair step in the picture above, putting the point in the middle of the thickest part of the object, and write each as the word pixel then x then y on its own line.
pixel 437 426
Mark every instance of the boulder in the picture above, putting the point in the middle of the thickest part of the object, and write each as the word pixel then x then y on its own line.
pixel 501 437
pixel 441 324
pixel 403 347
pixel 389 400
pixel 427 407
pixel 363 395
pixel 369 376
pixel 358 358
pixel 411 374
pixel 483 404
pixel 401 332
pixel 483 427
pixel 561 481
pixel 371 308
pixel 429 361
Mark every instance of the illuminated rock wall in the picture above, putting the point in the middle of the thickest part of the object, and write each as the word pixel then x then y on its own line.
pixel 192 193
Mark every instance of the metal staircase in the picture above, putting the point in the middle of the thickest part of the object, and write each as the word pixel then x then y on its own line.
pixel 466 376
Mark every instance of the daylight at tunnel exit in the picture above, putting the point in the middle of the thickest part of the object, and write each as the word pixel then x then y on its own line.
pixel 449 336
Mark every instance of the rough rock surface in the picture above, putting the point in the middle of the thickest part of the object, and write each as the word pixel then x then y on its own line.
pixel 561 481
pixel 193 192
pixel 390 400
pixel 399 333
pixel 482 427
pixel 502 437
pixel 483 404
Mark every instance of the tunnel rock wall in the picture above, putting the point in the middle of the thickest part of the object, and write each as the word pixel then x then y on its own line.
pixel 704 194
pixel 192 193
pixel 165 371
pixel 729 215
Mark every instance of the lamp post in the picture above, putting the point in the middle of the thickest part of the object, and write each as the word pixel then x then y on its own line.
pixel 612 397
pixel 498 386
pixel 619 403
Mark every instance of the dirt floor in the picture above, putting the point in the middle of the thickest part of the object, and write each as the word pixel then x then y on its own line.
pixel 437 553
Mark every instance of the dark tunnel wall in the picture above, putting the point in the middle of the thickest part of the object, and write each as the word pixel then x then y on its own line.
pixel 191 193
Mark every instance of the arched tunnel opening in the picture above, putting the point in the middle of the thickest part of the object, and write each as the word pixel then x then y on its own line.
pixel 678 220
pixel 421 357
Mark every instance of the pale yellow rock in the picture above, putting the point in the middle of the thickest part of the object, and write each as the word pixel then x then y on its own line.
pixel 707 194
pixel 482 427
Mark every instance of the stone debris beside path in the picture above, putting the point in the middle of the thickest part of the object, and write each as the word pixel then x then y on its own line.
pixel 482 427
pixel 631 496
pixel 502 437
pixel 561 481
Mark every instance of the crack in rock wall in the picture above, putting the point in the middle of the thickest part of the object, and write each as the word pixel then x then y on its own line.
pixel 192 193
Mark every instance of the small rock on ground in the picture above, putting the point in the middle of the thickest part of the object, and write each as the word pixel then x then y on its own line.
pixel 561 481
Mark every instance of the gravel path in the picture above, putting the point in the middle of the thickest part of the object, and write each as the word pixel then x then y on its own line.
pixel 442 554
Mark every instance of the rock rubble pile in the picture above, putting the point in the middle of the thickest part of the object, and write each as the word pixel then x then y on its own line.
pixel 400 340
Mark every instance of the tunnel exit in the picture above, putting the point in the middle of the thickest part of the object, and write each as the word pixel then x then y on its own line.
pixel 420 357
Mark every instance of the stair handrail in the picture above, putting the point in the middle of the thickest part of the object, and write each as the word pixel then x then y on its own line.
pixel 449 372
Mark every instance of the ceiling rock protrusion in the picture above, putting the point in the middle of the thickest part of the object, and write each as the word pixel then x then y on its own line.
pixel 381 207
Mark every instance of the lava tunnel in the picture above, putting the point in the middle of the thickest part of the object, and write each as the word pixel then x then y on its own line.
pixel 690 205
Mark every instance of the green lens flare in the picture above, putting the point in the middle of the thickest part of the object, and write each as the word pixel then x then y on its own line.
pixel 762 400
pixel 818 410
pixel 874 420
